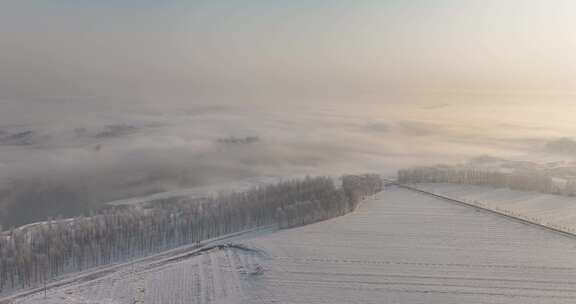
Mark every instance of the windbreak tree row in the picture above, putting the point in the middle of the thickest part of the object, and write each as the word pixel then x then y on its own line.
pixel 331 203
pixel 531 180
pixel 31 256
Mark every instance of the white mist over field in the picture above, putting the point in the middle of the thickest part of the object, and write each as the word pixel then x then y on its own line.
pixel 102 101
pixel 91 155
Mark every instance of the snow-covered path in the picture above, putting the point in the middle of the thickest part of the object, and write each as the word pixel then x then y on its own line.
pixel 402 247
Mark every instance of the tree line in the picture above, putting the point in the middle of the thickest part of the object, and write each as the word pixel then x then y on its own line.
pixel 529 180
pixel 34 254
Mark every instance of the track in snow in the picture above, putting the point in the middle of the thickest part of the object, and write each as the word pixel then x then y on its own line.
pixel 212 276
pixel 402 247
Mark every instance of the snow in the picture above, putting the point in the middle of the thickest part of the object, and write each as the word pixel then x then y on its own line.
pixel 401 247
pixel 551 210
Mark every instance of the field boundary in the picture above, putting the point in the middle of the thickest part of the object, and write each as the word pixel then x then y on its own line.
pixel 488 210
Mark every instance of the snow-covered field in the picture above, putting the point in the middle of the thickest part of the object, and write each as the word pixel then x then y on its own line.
pixel 551 210
pixel 402 247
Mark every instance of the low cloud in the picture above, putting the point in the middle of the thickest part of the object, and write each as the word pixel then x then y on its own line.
pixel 418 128
pixel 379 127
pixel 563 145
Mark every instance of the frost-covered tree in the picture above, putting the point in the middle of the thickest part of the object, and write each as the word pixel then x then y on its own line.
pixel 528 180
pixel 35 253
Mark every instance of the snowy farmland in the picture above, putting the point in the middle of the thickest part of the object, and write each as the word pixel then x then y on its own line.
pixel 551 210
pixel 401 247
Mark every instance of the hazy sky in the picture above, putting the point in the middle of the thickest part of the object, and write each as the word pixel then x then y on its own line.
pixel 143 49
